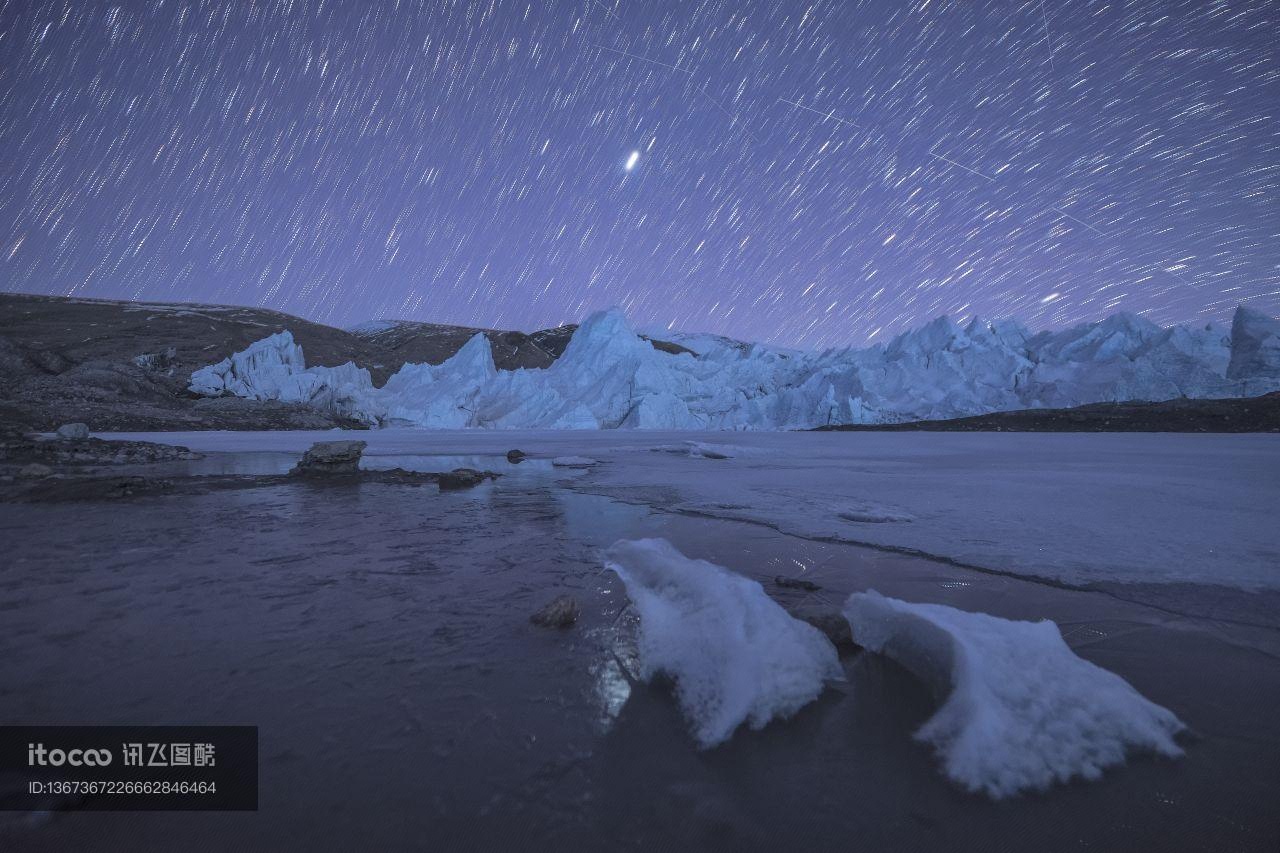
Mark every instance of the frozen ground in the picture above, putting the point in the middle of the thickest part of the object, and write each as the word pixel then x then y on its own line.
pixel 379 637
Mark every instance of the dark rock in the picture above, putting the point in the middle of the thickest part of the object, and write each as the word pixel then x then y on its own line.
pixel 34 470
pixel 158 361
pixel 326 458
pixel 515 456
pixel 796 583
pixel 560 612
pixel 463 478
pixel 668 347
pixel 14 364
pixel 73 432
pixel 50 361
pixel 399 477
pixel 238 413
pixel 18 448
pixel 61 488
pixel 830 622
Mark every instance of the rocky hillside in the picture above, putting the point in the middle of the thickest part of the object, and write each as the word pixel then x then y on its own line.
pixel 127 365
pixel 411 342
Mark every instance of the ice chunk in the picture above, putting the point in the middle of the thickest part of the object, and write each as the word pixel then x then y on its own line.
pixel 572 462
pixel 1024 711
pixel 702 450
pixel 734 654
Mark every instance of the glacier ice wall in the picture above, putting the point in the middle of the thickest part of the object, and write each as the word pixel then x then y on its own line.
pixel 610 377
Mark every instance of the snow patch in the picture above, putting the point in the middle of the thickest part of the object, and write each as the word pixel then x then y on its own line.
pixel 734 654
pixel 1024 712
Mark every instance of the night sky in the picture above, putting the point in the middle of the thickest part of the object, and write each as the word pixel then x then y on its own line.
pixel 809 173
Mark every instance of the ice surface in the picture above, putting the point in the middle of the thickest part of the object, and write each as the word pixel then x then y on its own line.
pixel 610 377
pixel 873 515
pixel 1023 711
pixel 734 654
pixel 303 611
pixel 1196 508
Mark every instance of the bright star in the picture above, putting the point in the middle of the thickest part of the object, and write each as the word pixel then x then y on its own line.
pixel 632 160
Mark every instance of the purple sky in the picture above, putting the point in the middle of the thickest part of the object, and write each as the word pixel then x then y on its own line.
pixel 808 173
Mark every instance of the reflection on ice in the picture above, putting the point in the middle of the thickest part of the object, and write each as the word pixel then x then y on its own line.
pixel 612 688
pixel 598 521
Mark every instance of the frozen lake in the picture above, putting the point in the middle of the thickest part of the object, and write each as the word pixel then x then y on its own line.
pixel 1076 508
pixel 379 637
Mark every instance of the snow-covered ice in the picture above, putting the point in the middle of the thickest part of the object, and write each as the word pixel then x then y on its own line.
pixel 1195 508
pixel 1023 711
pixel 611 377
pixel 735 655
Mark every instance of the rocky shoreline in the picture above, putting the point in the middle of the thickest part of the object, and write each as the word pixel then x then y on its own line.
pixel 71 465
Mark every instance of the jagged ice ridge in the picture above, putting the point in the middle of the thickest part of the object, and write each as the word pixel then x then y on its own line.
pixel 610 377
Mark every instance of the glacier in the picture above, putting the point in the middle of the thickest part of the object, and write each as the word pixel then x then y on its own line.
pixel 609 376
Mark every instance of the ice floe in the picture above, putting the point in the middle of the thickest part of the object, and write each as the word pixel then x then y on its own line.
pixel 1023 711
pixel 734 654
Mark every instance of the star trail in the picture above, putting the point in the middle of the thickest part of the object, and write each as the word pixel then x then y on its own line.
pixel 807 173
